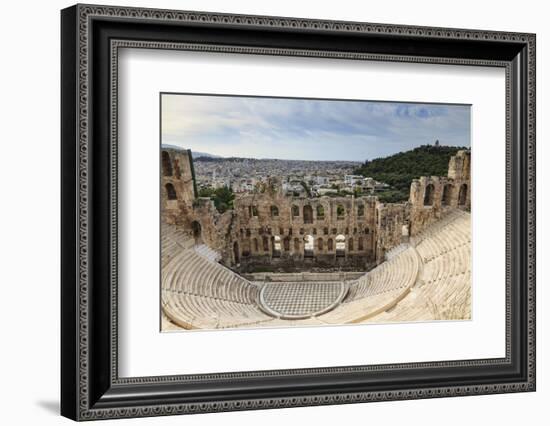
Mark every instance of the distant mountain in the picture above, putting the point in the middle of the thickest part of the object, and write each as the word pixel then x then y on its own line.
pixel 168 146
pixel 398 170
pixel 196 154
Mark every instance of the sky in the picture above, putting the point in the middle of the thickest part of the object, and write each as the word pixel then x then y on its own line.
pixel 308 129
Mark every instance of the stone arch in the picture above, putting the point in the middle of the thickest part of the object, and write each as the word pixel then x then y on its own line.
pixel 274 211
pixel 295 211
pixel 265 243
pixel 308 214
pixel 340 211
pixel 340 245
pixel 166 164
pixel 320 244
pixel 447 194
pixel 462 194
pixel 236 253
pixel 256 246
pixel 308 246
pixel 330 244
pixel 196 228
pixel 429 195
pixel 286 244
pixel 350 244
pixel 171 192
pixel 360 244
pixel 320 211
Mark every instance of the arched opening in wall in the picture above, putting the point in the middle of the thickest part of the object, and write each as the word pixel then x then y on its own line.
pixel 256 245
pixel 330 244
pixel 361 210
pixel 320 212
pixel 350 244
pixel 308 246
pixel 197 231
pixel 296 245
pixel 308 214
pixel 447 194
pixel 429 195
pixel 265 244
pixel 320 244
pixel 360 244
pixel 276 247
pixel 295 211
pixel 340 245
pixel 463 193
pixel 166 164
pixel 171 192
pixel 286 244
pixel 340 211
pixel 274 211
pixel 236 253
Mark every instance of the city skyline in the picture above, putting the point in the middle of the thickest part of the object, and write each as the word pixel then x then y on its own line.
pixel 308 129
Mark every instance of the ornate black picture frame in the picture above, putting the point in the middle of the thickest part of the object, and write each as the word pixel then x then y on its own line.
pixel 91 387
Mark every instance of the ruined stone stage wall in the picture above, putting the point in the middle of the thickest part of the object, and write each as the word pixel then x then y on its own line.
pixel 269 231
pixel 272 230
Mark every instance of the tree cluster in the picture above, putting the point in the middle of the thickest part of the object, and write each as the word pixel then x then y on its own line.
pixel 400 169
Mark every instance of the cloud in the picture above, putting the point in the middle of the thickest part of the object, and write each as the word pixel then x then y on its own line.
pixel 308 129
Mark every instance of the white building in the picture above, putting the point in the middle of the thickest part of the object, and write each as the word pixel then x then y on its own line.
pixel 353 180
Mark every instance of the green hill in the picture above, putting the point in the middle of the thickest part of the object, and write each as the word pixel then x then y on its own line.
pixel 400 169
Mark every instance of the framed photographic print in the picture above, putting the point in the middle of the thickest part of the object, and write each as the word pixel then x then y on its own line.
pixel 263 212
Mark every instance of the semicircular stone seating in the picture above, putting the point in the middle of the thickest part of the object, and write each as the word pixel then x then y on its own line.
pixel 443 289
pixel 426 280
pixel 197 292
pixel 377 290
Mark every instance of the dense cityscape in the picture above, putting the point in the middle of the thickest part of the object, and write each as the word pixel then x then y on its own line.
pixel 307 178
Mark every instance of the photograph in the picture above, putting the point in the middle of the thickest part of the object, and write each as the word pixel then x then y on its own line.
pixel 265 208
pixel 294 212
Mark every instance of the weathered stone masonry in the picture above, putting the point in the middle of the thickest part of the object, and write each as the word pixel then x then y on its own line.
pixel 272 231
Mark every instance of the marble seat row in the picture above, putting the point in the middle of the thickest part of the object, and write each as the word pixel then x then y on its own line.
pixel 192 274
pixel 395 251
pixel 378 290
pixel 207 252
pixel 198 292
pixel 399 272
pixel 443 291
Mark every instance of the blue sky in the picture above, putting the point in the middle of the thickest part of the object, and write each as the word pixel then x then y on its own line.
pixel 305 129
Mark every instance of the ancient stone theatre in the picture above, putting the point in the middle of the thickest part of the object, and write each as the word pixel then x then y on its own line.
pixel 275 260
